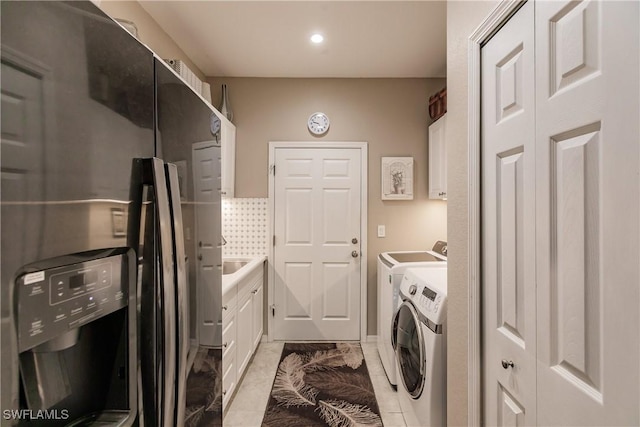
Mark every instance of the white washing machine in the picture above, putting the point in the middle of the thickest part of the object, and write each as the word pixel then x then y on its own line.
pixel 391 268
pixel 419 328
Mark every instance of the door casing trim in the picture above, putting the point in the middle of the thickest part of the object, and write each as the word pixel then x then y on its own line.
pixel 489 26
pixel 363 147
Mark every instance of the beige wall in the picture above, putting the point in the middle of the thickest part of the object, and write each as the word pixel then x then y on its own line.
pixel 463 17
pixel 390 114
pixel 149 31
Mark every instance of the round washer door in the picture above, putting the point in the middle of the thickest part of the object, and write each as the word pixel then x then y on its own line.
pixel 410 350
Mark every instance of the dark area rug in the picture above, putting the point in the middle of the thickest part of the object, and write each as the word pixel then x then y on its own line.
pixel 320 385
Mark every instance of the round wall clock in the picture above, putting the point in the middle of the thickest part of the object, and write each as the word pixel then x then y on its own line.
pixel 318 123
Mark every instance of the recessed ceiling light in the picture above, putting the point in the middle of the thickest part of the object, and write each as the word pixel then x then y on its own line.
pixel 317 38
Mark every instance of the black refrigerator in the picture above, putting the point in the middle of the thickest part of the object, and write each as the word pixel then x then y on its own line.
pixel 110 231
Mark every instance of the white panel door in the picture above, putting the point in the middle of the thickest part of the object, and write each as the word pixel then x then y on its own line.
pixel 508 227
pixel 317 264
pixel 206 175
pixel 587 112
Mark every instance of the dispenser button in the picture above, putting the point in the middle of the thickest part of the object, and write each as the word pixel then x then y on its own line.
pixel 36 327
pixel 36 290
pixel 91 303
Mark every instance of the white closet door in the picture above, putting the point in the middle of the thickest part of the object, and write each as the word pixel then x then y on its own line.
pixel 508 227
pixel 587 164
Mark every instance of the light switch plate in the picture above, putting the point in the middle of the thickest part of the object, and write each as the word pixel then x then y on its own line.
pixel 381 231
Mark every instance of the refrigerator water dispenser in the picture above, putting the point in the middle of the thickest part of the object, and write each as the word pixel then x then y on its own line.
pixel 76 335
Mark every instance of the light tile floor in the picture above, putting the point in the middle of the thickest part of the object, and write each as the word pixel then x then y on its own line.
pixel 248 405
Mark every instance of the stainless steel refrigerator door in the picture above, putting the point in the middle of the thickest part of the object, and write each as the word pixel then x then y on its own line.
pixel 182 292
pixel 77 106
pixel 158 289
pixel 183 124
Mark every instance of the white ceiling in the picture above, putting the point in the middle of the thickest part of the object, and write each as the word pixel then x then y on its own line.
pixel 271 38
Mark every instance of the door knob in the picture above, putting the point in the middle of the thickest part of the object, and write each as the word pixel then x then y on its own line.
pixel 507 364
pixel 354 240
pixel 354 254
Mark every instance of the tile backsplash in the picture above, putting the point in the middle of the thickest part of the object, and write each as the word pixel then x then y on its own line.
pixel 245 226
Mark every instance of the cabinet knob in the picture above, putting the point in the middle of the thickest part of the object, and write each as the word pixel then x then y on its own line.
pixel 224 307
pixel 354 240
pixel 354 254
pixel 506 364
pixel 225 345
pixel 200 257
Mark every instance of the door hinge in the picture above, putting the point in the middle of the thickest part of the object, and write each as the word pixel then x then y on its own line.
pixel 274 240
pixel 273 310
pixel 272 169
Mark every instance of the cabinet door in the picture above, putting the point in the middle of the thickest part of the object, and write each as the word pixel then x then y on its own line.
pixel 229 365
pixel 438 159
pixel 258 297
pixel 228 136
pixel 244 317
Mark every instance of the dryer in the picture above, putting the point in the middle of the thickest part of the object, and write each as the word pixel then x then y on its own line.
pixel 391 268
pixel 419 328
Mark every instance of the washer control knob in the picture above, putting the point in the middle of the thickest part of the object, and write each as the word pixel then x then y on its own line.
pixel 413 289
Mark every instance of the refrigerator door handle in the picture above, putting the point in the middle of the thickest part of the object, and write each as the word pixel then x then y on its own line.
pixel 167 292
pixel 182 293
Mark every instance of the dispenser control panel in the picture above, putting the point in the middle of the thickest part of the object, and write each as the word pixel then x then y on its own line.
pixel 56 299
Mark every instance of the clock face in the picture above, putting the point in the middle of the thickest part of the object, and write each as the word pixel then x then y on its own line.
pixel 318 123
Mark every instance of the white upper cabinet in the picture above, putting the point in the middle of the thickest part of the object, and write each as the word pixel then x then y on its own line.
pixel 228 142
pixel 437 159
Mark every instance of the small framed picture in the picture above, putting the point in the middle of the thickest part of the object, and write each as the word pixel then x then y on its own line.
pixel 397 178
pixel 118 224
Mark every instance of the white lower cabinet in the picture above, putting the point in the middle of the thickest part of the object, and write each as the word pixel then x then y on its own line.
pixel 229 351
pixel 242 329
pixel 258 310
pixel 245 333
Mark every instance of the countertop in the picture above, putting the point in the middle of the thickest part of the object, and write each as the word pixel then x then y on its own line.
pixel 229 281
